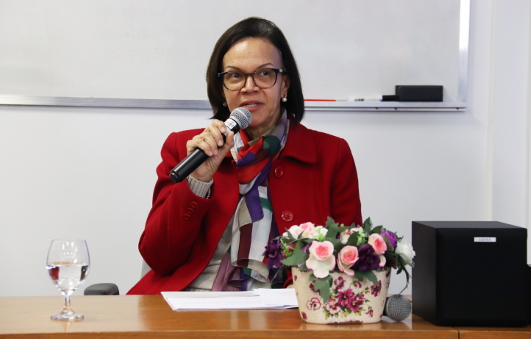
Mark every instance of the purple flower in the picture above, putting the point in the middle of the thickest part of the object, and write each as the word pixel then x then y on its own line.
pixel 368 259
pixel 332 307
pixel 376 288
pixel 340 282
pixel 356 303
pixel 390 236
pixel 313 304
pixel 344 297
pixel 273 252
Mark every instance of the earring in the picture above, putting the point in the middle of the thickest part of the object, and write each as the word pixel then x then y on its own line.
pixel 224 104
pixel 285 99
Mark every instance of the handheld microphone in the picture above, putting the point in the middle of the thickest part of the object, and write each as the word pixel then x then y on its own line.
pixel 397 307
pixel 240 118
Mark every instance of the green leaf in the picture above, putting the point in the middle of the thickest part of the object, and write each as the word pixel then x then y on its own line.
pixel 402 267
pixel 337 244
pixel 400 261
pixel 333 229
pixel 377 230
pixel 388 243
pixel 367 226
pixel 280 273
pixel 360 275
pixel 330 222
pixel 323 285
pixel 290 237
pixel 353 239
pixel 335 241
pixel 298 256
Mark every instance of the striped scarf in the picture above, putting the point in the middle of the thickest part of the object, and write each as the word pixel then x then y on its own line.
pixel 252 224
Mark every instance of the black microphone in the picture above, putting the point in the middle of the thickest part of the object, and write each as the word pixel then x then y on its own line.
pixel 240 118
pixel 397 307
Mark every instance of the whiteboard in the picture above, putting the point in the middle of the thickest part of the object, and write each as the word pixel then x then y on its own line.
pixel 159 49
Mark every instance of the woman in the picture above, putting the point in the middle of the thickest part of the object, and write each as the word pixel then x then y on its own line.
pixel 210 231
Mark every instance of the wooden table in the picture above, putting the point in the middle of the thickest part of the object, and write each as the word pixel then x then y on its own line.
pixel 494 332
pixel 151 317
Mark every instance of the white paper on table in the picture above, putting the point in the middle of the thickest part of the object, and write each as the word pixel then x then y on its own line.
pixel 278 296
pixel 257 299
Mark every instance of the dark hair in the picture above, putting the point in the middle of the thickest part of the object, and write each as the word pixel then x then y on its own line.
pixel 254 28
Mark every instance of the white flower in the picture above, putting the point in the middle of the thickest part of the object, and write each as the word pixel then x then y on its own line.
pixel 295 231
pixel 307 229
pixel 319 233
pixel 382 260
pixel 345 235
pixel 405 250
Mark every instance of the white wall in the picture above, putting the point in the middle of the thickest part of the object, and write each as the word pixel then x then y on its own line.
pixel 509 112
pixel 89 172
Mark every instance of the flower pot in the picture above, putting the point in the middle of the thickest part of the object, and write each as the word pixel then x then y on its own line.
pixel 351 301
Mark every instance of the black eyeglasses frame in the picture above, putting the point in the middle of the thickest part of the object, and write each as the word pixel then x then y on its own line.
pixel 276 70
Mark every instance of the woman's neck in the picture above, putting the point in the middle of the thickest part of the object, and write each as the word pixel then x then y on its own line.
pixel 254 134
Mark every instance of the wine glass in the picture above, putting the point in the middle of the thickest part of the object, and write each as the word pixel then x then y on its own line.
pixel 68 265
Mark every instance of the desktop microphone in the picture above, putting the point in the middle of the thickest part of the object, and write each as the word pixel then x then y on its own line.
pixel 240 118
pixel 397 307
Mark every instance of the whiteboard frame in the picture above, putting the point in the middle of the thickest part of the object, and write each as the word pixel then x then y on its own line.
pixel 385 106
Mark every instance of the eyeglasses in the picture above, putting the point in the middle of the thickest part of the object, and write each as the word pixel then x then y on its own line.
pixel 263 78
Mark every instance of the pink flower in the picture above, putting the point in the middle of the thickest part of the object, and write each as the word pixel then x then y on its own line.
pixel 332 307
pixel 376 288
pixel 339 282
pixel 307 229
pixel 356 303
pixel 313 304
pixel 378 243
pixel 344 298
pixel 346 258
pixel 321 259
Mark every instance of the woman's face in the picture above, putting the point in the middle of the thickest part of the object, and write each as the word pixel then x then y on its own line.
pixel 248 55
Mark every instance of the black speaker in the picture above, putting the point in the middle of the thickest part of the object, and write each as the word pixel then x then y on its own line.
pixel 470 273
pixel 529 294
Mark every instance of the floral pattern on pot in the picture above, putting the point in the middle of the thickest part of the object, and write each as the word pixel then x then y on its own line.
pixel 351 301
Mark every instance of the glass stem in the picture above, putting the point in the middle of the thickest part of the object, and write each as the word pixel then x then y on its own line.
pixel 67 308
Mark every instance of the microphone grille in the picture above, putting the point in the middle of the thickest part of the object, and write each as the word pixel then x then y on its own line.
pixel 397 307
pixel 242 116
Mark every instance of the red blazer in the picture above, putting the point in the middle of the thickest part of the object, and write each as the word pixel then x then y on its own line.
pixel 314 177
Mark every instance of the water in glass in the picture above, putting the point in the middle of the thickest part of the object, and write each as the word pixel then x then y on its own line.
pixel 68 265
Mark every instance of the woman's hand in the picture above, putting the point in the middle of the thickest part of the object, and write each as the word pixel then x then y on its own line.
pixel 211 142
